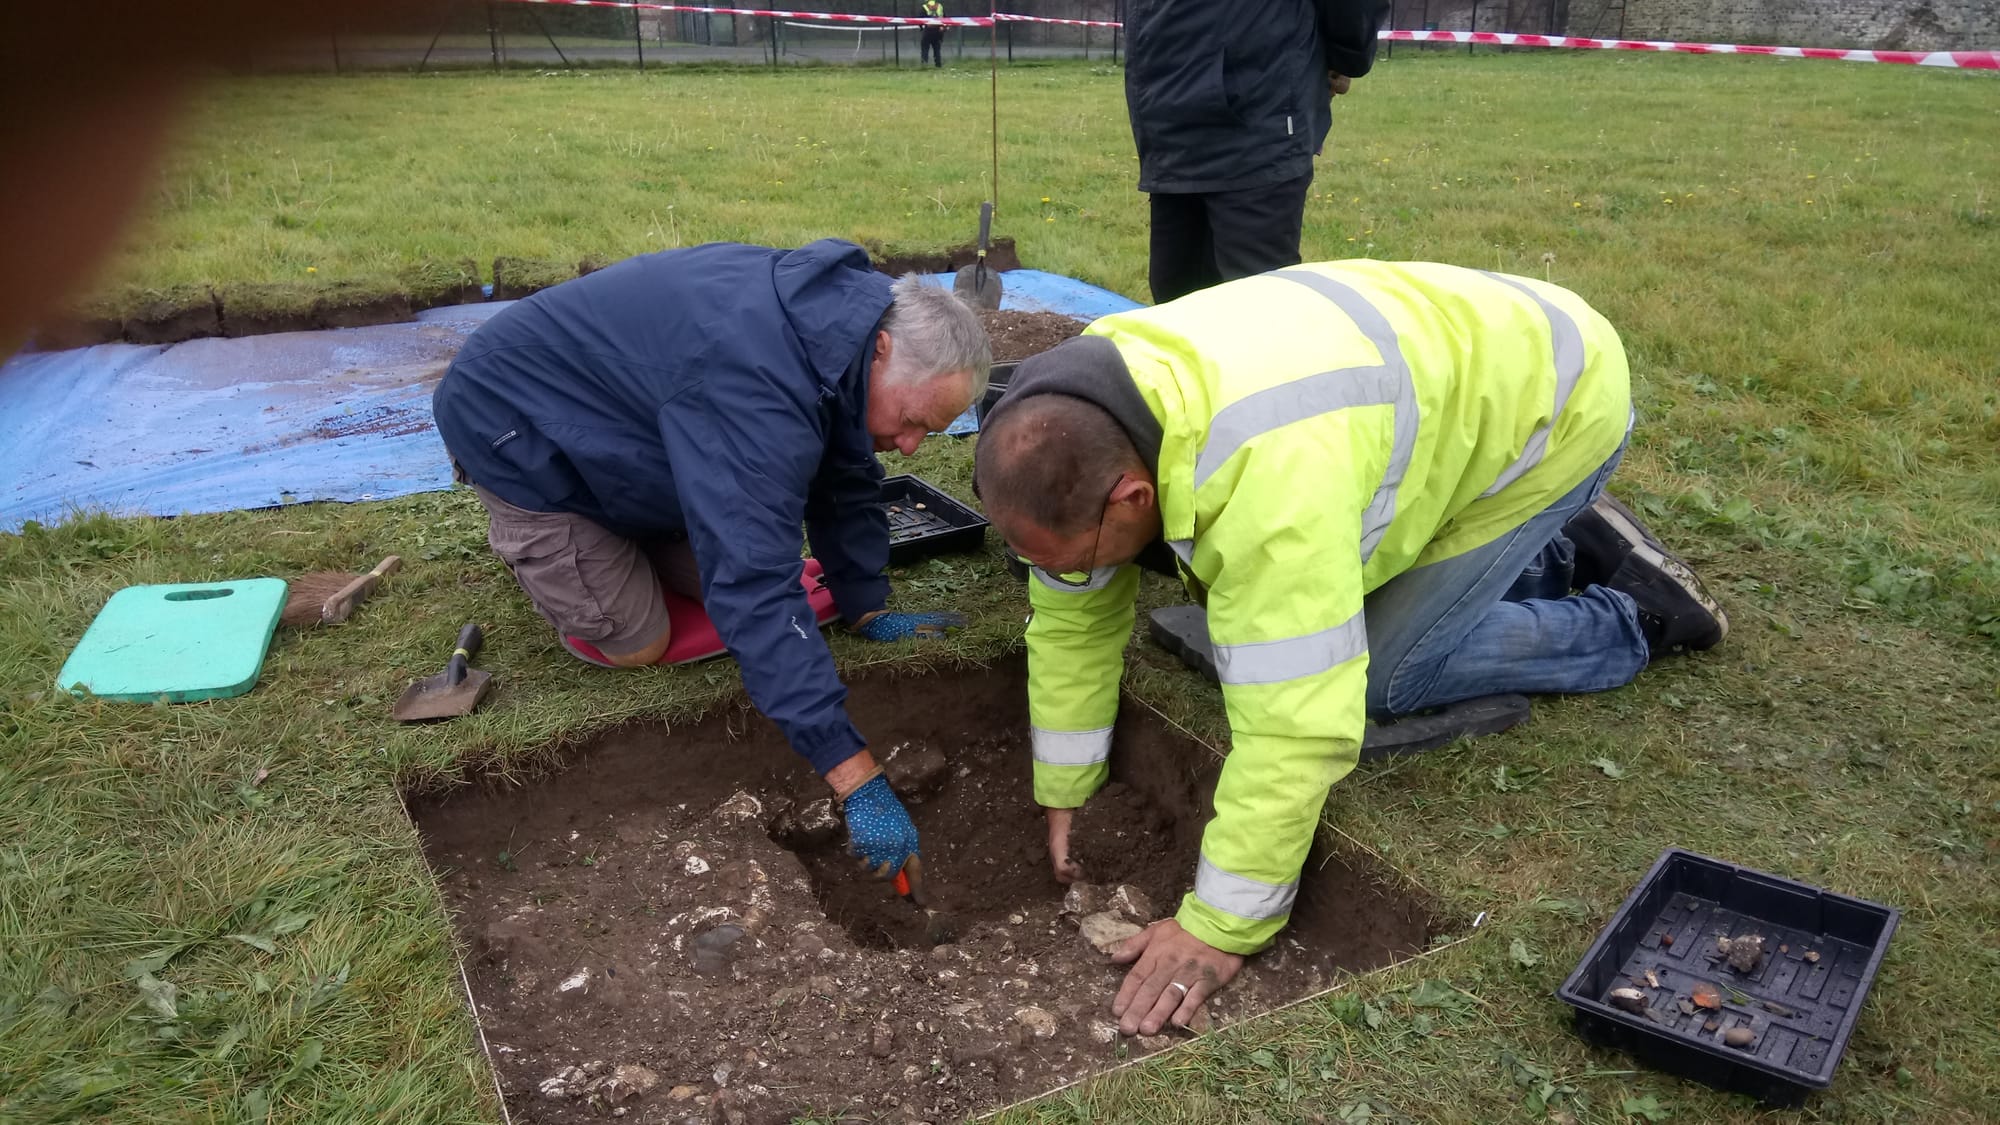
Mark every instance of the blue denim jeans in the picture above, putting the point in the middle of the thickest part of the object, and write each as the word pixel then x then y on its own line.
pixel 1501 618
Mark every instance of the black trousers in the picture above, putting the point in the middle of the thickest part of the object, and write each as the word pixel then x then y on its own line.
pixel 1206 238
pixel 931 46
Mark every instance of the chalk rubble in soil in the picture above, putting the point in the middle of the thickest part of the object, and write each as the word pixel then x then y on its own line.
pixel 598 1080
pixel 1084 898
pixel 812 825
pixel 1133 904
pixel 1103 931
pixel 740 808
pixel 1039 1023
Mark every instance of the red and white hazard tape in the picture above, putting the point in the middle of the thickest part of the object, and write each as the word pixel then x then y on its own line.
pixel 1963 60
pixel 1009 17
pixel 774 13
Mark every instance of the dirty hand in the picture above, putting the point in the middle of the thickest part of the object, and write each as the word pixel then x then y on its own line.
pixel 880 626
pixel 879 829
pixel 1067 870
pixel 1176 973
pixel 1341 83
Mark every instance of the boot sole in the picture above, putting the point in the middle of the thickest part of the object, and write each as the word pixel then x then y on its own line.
pixel 1647 550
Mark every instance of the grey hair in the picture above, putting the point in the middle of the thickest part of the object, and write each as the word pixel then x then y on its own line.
pixel 934 333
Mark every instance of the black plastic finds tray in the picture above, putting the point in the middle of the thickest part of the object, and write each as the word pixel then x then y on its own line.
pixel 1799 1001
pixel 940 526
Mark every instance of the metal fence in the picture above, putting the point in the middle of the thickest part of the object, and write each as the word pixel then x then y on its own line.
pixel 1534 17
pixel 503 34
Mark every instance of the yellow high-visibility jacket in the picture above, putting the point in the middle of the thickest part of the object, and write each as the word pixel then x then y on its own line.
pixel 1326 428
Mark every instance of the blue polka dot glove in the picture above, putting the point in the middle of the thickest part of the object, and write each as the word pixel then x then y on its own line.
pixel 879 829
pixel 901 626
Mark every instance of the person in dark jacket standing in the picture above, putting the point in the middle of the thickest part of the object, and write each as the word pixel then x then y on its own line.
pixel 678 417
pixel 1229 105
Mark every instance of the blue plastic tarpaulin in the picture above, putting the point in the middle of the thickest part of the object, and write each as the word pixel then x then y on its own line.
pixel 218 424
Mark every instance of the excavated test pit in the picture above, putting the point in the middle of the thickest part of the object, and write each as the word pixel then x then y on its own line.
pixel 596 906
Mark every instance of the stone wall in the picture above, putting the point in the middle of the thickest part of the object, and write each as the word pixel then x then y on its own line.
pixel 1914 25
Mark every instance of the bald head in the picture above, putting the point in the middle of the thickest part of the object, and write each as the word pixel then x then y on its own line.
pixel 1050 460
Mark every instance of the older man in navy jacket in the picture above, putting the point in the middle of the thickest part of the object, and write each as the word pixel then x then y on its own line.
pixel 677 418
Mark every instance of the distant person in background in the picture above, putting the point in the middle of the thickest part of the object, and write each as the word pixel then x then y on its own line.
pixel 932 47
pixel 1229 105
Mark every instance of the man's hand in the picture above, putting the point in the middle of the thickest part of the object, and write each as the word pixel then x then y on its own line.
pixel 881 626
pixel 1176 973
pixel 1341 83
pixel 879 831
pixel 1067 870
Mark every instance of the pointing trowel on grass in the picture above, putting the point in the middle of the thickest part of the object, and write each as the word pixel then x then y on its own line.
pixel 453 692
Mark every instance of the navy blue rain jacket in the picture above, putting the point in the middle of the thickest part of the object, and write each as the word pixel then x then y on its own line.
pixel 719 391
pixel 1227 97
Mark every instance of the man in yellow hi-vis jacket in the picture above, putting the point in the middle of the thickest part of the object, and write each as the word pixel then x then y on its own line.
pixel 1382 480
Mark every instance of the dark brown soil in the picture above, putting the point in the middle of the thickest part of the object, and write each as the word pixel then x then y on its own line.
pixel 355 311
pixel 433 284
pixel 1000 255
pixel 172 317
pixel 1016 335
pixel 515 278
pixel 596 906
pixel 256 309
pixel 168 318
pixel 77 330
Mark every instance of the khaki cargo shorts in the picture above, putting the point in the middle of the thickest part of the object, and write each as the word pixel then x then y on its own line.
pixel 585 581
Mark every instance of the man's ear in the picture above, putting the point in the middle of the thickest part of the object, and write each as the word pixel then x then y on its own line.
pixel 1134 493
pixel 882 345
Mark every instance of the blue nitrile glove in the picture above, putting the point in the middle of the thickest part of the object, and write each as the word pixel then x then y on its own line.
pixel 901 626
pixel 879 829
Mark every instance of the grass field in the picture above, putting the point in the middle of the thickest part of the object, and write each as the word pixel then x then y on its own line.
pixel 218 913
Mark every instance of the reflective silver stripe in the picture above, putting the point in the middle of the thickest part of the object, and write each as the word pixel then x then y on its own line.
pixel 1270 662
pixel 1099 579
pixel 1185 549
pixel 1245 898
pixel 1072 747
pixel 1401 390
pixel 1568 349
pixel 1275 407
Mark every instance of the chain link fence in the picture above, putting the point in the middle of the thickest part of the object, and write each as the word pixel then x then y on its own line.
pixel 1530 17
pixel 504 34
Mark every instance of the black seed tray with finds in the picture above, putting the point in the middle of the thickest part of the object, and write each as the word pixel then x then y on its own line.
pixel 1821 953
pixel 943 526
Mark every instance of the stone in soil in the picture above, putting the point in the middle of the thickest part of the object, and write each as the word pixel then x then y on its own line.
pixel 1103 932
pixel 1083 898
pixel 824 968
pixel 916 771
pixel 1132 904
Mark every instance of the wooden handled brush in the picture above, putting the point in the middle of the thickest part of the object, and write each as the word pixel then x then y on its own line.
pixel 328 597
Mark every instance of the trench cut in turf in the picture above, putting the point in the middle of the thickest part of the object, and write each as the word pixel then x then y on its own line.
pixel 679 898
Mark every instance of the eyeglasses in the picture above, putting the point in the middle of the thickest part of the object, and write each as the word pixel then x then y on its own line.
pixel 1094 576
